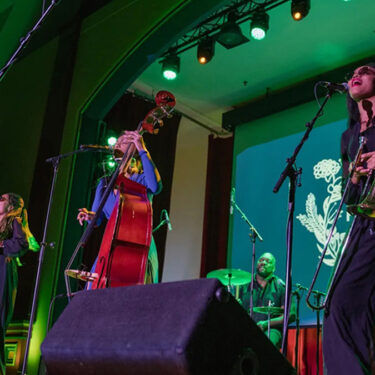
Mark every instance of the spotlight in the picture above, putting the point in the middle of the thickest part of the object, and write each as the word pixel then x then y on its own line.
pixel 170 67
pixel 230 35
pixel 259 25
pixel 109 164
pixel 300 9
pixel 111 141
pixel 206 50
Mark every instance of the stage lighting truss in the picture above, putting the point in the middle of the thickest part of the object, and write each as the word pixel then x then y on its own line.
pixel 230 16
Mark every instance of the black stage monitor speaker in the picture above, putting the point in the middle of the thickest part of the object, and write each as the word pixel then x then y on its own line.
pixel 182 328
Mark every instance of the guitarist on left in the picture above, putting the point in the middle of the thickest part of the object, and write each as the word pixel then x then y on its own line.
pixel 142 170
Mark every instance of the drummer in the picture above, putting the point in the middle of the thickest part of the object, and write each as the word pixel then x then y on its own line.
pixel 269 290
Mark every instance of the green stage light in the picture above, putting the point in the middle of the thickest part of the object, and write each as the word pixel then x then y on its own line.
pixel 108 164
pixel 170 67
pixel 259 25
pixel 111 141
pixel 111 164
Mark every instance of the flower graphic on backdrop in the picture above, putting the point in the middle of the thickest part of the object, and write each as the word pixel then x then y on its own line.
pixel 321 224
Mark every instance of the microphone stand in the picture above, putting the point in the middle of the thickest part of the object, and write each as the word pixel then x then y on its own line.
pixel 24 40
pixel 293 173
pixel 55 161
pixel 317 295
pixel 253 235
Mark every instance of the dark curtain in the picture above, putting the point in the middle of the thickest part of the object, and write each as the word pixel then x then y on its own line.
pixel 125 115
pixel 217 201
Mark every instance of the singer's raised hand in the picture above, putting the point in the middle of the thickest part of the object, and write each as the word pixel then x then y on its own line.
pixel 84 215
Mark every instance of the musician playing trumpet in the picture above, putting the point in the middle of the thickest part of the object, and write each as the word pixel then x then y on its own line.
pixel 350 312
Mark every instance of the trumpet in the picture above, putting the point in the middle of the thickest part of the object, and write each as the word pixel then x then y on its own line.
pixel 366 205
pixel 354 210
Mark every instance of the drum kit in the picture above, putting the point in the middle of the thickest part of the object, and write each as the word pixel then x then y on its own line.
pixel 235 280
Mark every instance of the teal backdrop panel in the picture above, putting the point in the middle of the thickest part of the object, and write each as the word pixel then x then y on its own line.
pixel 257 169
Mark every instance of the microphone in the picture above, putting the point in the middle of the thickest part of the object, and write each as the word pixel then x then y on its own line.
pixel 338 87
pixel 167 220
pixel 232 202
pixel 96 148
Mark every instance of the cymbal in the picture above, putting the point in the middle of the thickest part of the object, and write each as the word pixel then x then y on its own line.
pixel 230 276
pixel 266 309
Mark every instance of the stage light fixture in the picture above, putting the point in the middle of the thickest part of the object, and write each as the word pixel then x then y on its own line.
pixel 206 50
pixel 170 67
pixel 230 35
pixel 259 25
pixel 111 164
pixel 111 141
pixel 300 9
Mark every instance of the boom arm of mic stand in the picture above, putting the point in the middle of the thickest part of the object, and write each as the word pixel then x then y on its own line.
pixel 289 167
pixel 254 234
pixel 243 216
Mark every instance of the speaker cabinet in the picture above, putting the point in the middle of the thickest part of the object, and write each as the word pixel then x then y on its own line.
pixel 182 328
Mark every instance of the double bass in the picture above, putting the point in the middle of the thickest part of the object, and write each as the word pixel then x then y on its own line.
pixel 123 254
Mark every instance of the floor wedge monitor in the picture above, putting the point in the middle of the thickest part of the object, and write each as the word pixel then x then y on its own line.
pixel 182 328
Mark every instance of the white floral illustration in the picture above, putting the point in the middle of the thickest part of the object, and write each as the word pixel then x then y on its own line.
pixel 318 224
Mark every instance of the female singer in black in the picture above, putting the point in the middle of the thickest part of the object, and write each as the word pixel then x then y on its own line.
pixel 350 312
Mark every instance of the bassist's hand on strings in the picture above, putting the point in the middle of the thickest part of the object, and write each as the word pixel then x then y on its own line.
pixel 130 137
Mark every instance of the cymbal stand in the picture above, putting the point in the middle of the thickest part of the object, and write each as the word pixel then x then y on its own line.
pixel 253 235
pixel 229 282
pixel 270 304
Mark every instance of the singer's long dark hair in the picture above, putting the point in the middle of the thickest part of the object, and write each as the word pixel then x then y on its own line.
pixel 352 105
